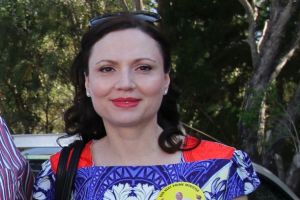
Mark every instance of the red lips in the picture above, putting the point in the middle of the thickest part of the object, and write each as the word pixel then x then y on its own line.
pixel 127 102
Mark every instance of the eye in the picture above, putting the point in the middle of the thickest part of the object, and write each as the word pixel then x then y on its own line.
pixel 144 68
pixel 106 69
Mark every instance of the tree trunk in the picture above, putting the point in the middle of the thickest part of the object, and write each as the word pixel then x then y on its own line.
pixel 124 5
pixel 285 124
pixel 293 175
pixel 138 4
pixel 268 61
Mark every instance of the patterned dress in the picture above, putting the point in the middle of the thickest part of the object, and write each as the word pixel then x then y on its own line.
pixel 210 171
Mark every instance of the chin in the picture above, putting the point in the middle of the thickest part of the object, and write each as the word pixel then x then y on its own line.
pixel 125 124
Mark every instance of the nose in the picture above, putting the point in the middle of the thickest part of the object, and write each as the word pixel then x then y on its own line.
pixel 125 80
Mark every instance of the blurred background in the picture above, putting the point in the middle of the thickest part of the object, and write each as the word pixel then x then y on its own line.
pixel 235 63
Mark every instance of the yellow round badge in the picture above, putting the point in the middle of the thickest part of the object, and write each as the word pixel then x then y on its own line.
pixel 181 191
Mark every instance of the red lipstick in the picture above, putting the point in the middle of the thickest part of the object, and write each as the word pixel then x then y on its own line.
pixel 127 102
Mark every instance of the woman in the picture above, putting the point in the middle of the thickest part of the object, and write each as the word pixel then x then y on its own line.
pixel 125 111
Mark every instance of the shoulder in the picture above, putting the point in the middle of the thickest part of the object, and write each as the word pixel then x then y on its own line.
pixel 4 130
pixel 243 178
pixel 85 159
pixel 44 183
pixel 11 156
pixel 206 150
pixel 6 140
pixel 1 120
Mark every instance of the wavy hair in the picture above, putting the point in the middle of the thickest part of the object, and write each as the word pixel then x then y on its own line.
pixel 82 119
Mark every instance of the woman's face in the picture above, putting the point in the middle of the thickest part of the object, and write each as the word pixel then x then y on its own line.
pixel 126 78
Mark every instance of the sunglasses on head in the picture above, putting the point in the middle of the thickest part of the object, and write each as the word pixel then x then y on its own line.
pixel 141 15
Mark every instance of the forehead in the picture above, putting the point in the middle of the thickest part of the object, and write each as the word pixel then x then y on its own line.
pixel 134 33
pixel 126 42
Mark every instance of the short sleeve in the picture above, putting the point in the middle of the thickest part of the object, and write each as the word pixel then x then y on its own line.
pixel 43 187
pixel 242 179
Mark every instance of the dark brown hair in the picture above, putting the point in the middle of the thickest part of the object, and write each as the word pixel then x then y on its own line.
pixel 81 117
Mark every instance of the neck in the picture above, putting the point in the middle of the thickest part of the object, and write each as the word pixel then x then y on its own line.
pixel 131 138
pixel 129 146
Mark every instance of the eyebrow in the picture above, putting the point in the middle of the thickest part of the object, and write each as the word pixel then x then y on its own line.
pixel 105 60
pixel 149 59
pixel 114 62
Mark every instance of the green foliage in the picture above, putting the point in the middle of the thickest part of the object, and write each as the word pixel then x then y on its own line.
pixel 276 107
pixel 212 65
pixel 211 62
pixel 38 41
pixel 250 117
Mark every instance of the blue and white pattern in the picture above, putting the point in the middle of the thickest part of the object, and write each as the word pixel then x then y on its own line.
pixel 44 186
pixel 123 192
pixel 219 179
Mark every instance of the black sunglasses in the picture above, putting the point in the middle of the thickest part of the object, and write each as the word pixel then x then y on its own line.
pixel 141 15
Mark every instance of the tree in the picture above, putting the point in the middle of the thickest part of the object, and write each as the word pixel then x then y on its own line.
pixel 273 37
pixel 37 46
pixel 34 56
pixel 224 82
pixel 210 62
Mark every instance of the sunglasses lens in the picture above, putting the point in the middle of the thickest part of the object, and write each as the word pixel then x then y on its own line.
pixel 95 21
pixel 145 16
pixel 148 18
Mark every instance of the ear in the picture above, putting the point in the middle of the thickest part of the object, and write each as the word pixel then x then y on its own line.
pixel 166 85
pixel 167 81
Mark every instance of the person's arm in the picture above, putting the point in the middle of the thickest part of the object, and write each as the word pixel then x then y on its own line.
pixel 242 198
pixel 16 176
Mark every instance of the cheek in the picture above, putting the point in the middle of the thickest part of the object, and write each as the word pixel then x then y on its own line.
pixel 99 91
pixel 99 88
pixel 99 95
pixel 153 88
